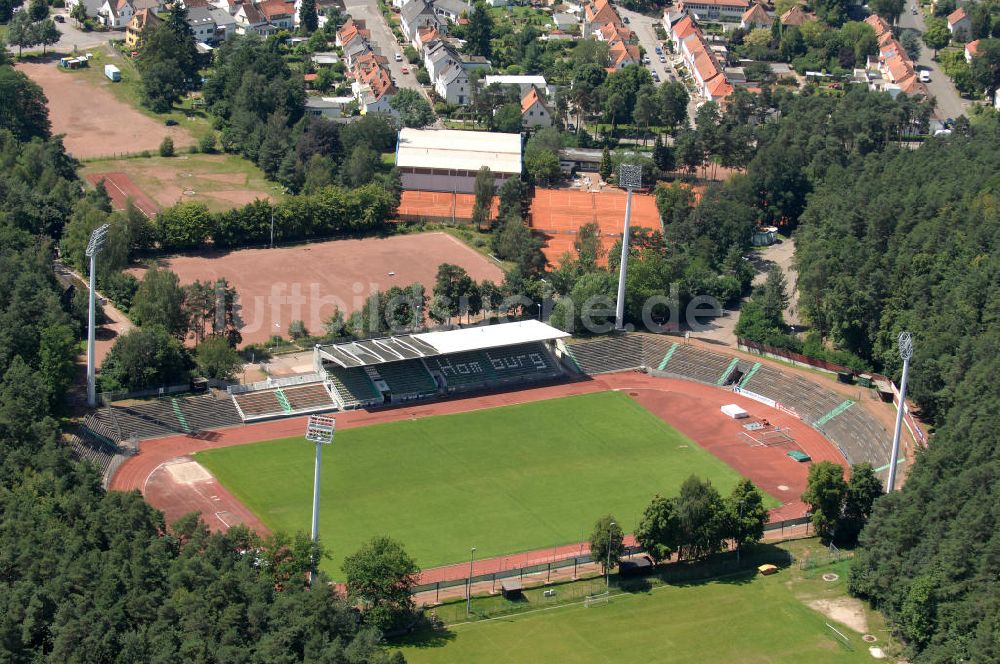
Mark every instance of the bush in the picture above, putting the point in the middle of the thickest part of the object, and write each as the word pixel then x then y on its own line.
pixel 297 330
pixel 167 147
pixel 207 143
pixel 423 78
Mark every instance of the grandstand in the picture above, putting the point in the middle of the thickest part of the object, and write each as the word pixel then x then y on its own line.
pixel 283 401
pixel 138 420
pixel 407 367
pixel 856 433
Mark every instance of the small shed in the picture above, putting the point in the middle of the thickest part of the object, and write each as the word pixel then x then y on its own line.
pixel 800 456
pixel 112 72
pixel 511 588
pixel 734 411
pixel 767 569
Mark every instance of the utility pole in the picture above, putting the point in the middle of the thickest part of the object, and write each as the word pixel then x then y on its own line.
pixel 94 245
pixel 905 352
pixel 319 430
pixel 468 594
pixel 630 177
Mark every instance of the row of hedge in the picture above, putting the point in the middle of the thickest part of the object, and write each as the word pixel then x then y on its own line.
pixel 330 212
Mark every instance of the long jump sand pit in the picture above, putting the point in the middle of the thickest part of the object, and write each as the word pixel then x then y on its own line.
pixel 306 282
pixel 96 123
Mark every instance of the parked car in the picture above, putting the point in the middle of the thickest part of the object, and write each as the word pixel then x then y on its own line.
pixel 399 57
pixel 59 19
pixel 171 123
pixel 570 126
pixel 925 76
pixel 405 70
pixel 625 20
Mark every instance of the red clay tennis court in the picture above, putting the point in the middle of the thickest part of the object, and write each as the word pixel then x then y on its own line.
pixel 439 206
pixel 559 214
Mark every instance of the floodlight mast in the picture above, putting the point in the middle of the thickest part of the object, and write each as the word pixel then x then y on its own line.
pixel 319 430
pixel 905 352
pixel 94 245
pixel 630 177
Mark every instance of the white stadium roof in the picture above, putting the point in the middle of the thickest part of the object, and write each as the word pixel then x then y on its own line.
pixel 451 149
pixel 491 336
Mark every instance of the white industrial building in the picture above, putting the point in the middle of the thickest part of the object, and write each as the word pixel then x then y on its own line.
pixel 448 159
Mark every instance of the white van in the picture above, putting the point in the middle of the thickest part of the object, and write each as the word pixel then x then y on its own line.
pixel 925 76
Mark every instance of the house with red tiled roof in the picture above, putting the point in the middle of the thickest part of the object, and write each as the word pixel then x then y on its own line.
pixel 140 21
pixel 251 20
pixel 597 14
pixel 373 88
pixel 959 24
pixel 797 16
pixel 755 17
pixel 612 33
pixel 424 36
pixel 879 25
pixel 534 112
pixel 971 50
pixel 701 62
pixel 681 30
pixel 278 13
pixel 715 10
pixel 897 73
pixel 623 55
pixel 350 30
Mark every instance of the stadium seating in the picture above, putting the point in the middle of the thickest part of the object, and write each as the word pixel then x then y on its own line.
pixel 311 397
pixel 694 363
pixel 208 411
pixel 607 354
pixel 496 366
pixel 406 380
pixel 353 387
pixel 162 417
pixel 256 405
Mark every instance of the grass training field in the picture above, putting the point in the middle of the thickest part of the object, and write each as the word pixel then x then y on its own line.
pixel 503 480
pixel 745 618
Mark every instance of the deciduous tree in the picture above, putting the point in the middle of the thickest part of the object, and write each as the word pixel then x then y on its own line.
pixel 380 577
pixel 825 490
pixel 607 542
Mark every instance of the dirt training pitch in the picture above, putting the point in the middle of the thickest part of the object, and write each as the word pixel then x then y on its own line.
pixel 120 189
pixel 94 122
pixel 305 282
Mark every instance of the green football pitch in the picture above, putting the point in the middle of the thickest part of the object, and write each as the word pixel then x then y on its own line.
pixel 504 480
pixel 744 619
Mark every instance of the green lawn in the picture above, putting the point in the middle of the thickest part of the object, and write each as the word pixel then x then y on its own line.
pixel 504 480
pixel 745 618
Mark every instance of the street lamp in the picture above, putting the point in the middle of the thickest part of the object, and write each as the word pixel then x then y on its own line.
pixel 468 594
pixel 94 245
pixel 630 177
pixel 905 351
pixel 320 430
pixel 607 564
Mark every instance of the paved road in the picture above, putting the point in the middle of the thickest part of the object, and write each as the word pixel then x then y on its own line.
pixel 949 103
pixel 385 42
pixel 642 26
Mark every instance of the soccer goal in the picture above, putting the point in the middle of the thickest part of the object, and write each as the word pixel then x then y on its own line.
pixel 599 598
pixel 769 437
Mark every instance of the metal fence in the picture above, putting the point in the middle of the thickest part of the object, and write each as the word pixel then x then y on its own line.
pixel 107 398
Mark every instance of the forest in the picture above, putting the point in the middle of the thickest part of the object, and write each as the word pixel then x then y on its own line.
pixel 90 576
pixel 910 240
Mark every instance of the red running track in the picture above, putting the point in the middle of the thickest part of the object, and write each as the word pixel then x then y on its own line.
pixel 691 408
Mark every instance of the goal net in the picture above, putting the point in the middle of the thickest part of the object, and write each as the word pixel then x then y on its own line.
pixel 769 437
pixel 599 598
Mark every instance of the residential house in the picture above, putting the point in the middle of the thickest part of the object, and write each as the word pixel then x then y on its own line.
pixel 328 107
pixel 355 49
pixel 715 10
pixel 418 14
pixel 599 13
pixel 796 16
pixel 971 50
pixel 202 24
pixel 701 61
pixel 959 24
pixel 373 89
pixel 425 35
pixel 452 84
pixel 278 13
pixel 140 21
pixel 116 14
pixel 251 20
pixel 93 7
pixel 350 30
pixel 896 71
pixel 756 17
pixel 534 112
pixel 879 25
pixel 229 6
pixel 623 55
pixel 452 9
pixel 612 33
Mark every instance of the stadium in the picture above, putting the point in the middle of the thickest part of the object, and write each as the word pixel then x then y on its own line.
pixel 428 410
